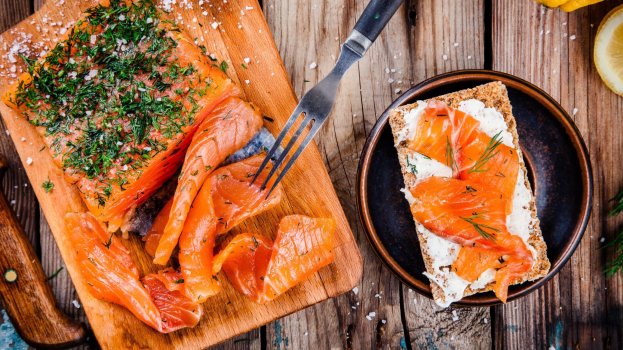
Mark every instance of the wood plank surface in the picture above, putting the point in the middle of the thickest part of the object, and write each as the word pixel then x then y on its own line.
pixel 414 46
pixel 116 328
pixel 579 308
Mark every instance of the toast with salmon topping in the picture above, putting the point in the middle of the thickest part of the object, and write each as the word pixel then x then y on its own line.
pixel 467 186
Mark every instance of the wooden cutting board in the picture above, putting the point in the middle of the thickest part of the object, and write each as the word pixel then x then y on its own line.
pixel 233 30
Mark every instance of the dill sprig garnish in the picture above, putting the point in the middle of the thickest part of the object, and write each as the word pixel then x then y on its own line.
pixel 616 264
pixel 450 160
pixel 618 204
pixel 412 167
pixel 480 227
pixel 489 152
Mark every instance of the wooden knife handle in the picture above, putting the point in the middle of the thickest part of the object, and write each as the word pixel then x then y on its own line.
pixel 28 300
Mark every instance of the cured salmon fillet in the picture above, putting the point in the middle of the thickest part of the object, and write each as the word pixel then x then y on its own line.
pixel 117 102
pixel 108 269
pixel 177 311
pixel 111 275
pixel 263 270
pixel 475 219
pixel 226 198
pixel 228 128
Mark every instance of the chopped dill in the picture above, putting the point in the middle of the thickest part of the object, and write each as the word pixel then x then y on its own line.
pixel 412 167
pixel 489 152
pixel 48 186
pixel 481 228
pixel 616 264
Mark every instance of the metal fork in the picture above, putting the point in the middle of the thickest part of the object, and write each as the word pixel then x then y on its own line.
pixel 317 103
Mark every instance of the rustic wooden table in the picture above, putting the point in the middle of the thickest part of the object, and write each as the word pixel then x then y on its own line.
pixel 578 308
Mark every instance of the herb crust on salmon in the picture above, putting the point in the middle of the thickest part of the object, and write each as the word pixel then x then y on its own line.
pixel 117 102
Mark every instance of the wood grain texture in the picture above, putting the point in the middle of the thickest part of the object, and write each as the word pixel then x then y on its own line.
pixel 242 32
pixel 414 46
pixel 579 308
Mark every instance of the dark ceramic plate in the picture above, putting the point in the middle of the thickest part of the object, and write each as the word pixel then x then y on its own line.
pixel 557 162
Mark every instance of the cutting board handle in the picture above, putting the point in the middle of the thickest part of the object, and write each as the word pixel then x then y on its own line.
pixel 28 300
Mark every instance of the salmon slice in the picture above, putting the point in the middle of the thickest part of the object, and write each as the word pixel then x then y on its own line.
pixel 453 138
pixel 245 261
pixel 486 160
pixel 433 135
pixel 228 128
pixel 107 268
pixel 226 199
pixel 263 270
pixel 176 309
pixel 118 124
pixel 152 237
pixel 473 215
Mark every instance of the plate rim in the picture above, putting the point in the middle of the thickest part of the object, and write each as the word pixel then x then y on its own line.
pixel 544 99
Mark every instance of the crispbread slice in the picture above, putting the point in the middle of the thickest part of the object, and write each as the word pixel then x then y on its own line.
pixel 493 95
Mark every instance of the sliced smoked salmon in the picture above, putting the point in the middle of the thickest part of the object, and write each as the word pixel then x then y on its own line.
pixel 473 215
pixel 117 102
pixel 111 275
pixel 453 138
pixel 229 127
pixel 176 309
pixel 226 198
pixel 263 270
pixel 107 268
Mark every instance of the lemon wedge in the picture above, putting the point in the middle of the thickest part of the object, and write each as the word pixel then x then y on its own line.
pixel 573 5
pixel 552 3
pixel 608 53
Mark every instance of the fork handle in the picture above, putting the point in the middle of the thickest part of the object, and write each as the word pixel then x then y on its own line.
pixel 375 17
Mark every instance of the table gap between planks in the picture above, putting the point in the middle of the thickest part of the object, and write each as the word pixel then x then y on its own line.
pixel 552 49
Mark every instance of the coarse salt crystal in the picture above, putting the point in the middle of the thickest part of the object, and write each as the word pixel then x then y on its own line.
pixel 572 37
pixel 76 304
pixel 246 60
pixel 205 13
pixel 28 160
pixel 397 91
pixel 602 239
pixel 23 139
pixel 383 321
pixel 455 316
pixel 356 290
pixel 247 81
pixel 122 17
pixel 575 111
pixel 214 25
pixel 445 57
pixel 371 315
pixel 313 65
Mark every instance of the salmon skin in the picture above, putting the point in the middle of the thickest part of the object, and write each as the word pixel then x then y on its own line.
pixel 226 198
pixel 470 208
pixel 263 270
pixel 117 102
pixel 111 275
pixel 228 128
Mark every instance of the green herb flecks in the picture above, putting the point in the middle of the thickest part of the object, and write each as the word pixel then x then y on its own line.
pixel 616 264
pixel 618 204
pixel 412 168
pixel 103 95
pixel 48 186
pixel 486 231
pixel 54 274
pixel 489 152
